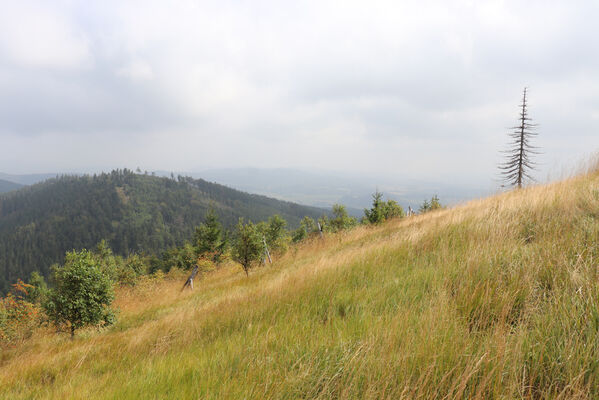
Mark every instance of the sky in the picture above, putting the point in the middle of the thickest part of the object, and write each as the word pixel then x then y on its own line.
pixel 418 89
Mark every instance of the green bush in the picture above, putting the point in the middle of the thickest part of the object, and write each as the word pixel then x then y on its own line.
pixel 184 257
pixel 37 290
pixel 433 204
pixel 248 246
pixel 341 220
pixel 274 233
pixel 382 210
pixel 307 227
pixel 82 295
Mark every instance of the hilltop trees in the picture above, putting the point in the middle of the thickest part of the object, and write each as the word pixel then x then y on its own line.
pixel 516 169
pixel 134 213
pixel 82 294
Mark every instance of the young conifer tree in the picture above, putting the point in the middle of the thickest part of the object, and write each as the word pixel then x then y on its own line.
pixel 247 246
pixel 209 237
pixel 516 169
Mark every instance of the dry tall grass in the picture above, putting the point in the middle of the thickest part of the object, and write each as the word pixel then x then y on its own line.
pixel 497 298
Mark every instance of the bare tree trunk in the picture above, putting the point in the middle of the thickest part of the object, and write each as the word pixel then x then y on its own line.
pixel 522 127
pixel 518 163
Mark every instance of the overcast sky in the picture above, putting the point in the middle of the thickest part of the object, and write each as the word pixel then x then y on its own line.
pixel 417 88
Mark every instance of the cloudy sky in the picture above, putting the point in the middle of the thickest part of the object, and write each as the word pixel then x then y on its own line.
pixel 425 89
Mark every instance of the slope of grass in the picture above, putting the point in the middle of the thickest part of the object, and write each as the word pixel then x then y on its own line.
pixel 494 299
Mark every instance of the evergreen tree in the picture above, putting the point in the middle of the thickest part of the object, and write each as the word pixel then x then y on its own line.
pixel 376 214
pixel 106 259
pixel 393 210
pixel 136 264
pixel 341 219
pixel 323 221
pixel 275 234
pixel 248 246
pixel 516 169
pixel 184 257
pixel 382 210
pixel 209 237
pixel 433 204
pixel 425 207
pixel 307 227
pixel 39 289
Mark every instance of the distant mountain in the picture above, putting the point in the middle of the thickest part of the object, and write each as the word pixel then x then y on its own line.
pixel 314 189
pixel 27 179
pixel 133 212
pixel 7 186
pixel 323 189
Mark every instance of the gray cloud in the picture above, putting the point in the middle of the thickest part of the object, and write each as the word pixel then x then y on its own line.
pixel 422 88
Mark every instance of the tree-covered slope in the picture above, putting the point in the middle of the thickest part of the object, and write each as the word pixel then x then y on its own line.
pixel 141 213
pixel 7 186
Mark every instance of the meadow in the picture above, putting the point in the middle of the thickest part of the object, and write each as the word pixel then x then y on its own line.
pixel 496 298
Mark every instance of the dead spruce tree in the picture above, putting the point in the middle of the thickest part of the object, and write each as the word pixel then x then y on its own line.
pixel 516 169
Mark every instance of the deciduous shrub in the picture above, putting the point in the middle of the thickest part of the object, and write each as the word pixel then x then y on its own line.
pixel 18 317
pixel 82 295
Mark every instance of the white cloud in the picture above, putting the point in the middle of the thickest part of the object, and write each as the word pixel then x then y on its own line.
pixel 34 36
pixel 136 71
pixel 418 86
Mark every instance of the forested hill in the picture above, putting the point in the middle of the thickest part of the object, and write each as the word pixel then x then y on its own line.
pixel 133 212
pixel 7 186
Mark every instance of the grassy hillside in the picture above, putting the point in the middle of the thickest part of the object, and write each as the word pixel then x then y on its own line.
pixel 494 299
pixel 134 213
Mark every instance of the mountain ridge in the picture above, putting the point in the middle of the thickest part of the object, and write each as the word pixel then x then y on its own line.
pixel 8 186
pixel 133 212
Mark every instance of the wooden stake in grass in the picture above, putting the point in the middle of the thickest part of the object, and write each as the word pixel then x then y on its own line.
pixel 266 252
pixel 189 281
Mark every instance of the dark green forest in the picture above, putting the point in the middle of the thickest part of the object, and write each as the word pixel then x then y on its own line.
pixel 133 212
pixel 7 186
